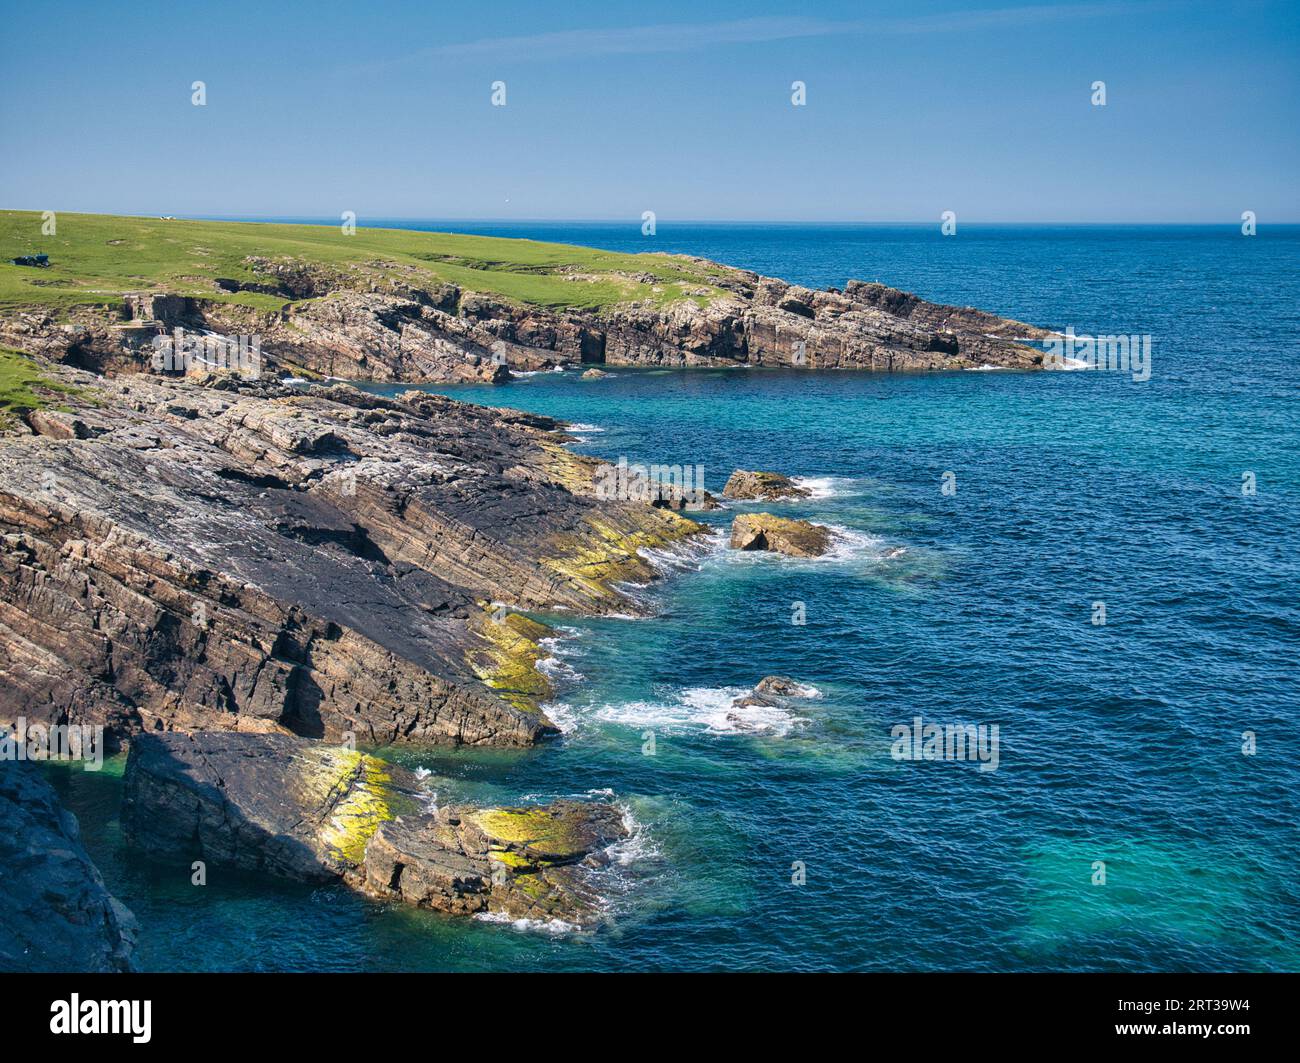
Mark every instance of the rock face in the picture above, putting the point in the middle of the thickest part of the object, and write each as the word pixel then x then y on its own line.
pixel 313 812
pixel 422 330
pixel 763 531
pixel 244 556
pixel 58 915
pixel 766 486
pixel 270 803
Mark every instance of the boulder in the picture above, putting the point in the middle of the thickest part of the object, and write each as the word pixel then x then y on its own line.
pixel 522 863
pixel 763 531
pixel 780 685
pixel 770 692
pixel 57 425
pixel 594 374
pixel 766 486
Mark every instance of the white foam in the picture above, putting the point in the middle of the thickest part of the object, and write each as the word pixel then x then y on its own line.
pixel 709 708
pixel 805 690
pixel 555 666
pixel 684 554
pixel 850 544
pixel 638 845
pixel 578 426
pixel 562 714
pixel 557 669
pixel 428 795
pixel 554 927
pixel 820 487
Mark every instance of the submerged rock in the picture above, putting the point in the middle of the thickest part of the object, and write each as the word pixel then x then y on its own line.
pixel 763 531
pixel 767 486
pixel 314 812
pixel 58 915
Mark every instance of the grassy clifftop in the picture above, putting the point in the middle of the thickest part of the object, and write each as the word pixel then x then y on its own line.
pixel 95 258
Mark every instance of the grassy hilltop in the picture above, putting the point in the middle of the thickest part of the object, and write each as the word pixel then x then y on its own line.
pixel 95 258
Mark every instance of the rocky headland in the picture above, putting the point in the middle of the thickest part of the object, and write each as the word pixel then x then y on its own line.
pixel 425 307
pixel 230 555
pixel 243 581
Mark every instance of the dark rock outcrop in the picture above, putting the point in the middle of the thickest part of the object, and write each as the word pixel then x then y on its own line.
pixel 58 915
pixel 771 691
pixel 277 804
pixel 765 486
pixel 763 531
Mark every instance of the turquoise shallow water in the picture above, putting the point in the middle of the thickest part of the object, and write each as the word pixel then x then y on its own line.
pixel 1119 743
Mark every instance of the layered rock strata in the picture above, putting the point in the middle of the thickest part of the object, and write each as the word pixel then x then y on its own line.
pixel 763 531
pixel 744 484
pixel 246 556
pixel 427 331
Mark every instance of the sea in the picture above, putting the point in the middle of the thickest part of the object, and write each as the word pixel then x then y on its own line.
pixel 1098 573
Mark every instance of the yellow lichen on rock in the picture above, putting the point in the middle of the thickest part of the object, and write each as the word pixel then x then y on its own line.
pixel 507 660
pixel 573 471
pixel 545 833
pixel 608 549
pixel 359 788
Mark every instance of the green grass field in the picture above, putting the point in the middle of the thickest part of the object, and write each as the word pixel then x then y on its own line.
pixel 22 387
pixel 95 258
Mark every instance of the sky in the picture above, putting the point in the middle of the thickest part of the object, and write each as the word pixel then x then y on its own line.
pixel 612 109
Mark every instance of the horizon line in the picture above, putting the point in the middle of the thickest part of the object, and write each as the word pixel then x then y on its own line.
pixel 635 222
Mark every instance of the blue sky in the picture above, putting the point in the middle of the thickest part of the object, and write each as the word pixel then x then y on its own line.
pixel 684 109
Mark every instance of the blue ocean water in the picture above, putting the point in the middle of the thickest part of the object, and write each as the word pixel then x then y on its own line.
pixel 1120 743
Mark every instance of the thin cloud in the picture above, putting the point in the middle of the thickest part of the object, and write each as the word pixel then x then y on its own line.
pixel 684 37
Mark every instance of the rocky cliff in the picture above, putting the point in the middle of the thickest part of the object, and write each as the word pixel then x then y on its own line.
pixel 243 556
pixel 333 324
